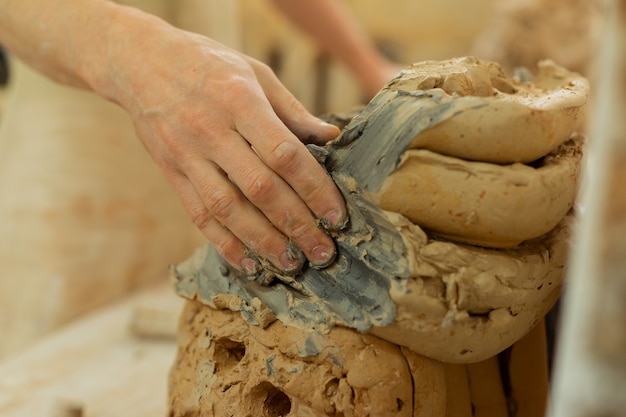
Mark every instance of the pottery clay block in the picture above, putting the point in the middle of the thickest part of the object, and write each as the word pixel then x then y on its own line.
pixel 226 367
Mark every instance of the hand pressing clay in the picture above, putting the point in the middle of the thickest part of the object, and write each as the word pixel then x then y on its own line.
pixel 498 171
pixel 463 303
pixel 489 262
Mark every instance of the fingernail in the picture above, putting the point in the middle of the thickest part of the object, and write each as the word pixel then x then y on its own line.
pixel 328 125
pixel 322 256
pixel 292 260
pixel 250 266
pixel 336 220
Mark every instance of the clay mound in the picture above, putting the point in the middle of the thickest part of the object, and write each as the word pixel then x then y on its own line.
pixel 481 203
pixel 469 127
pixel 497 119
pixel 464 303
pixel 226 367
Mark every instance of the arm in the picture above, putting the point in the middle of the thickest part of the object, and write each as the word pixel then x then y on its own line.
pixel 330 23
pixel 221 127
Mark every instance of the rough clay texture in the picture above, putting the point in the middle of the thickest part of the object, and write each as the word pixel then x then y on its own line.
pixel 231 368
pixel 498 118
pixel 225 367
pixel 461 303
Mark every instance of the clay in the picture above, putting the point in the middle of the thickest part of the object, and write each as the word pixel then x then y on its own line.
pixel 419 290
pixel 456 293
pixel 483 117
pixel 444 316
pixel 468 303
pixel 226 367
pixel 499 119
pixel 468 108
pixel 480 203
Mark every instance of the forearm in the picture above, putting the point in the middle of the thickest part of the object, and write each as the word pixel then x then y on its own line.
pixel 51 35
pixel 221 127
pixel 74 42
pixel 332 25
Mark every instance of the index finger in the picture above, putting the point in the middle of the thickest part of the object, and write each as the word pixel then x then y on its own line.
pixel 283 152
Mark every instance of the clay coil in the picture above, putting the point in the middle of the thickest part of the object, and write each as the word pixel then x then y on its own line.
pixel 462 303
pixel 480 203
pixel 497 119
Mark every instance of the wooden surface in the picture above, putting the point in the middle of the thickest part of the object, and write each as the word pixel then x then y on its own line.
pixel 97 361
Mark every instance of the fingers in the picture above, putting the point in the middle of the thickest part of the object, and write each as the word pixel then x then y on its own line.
pixel 281 151
pixel 227 219
pixel 308 128
pixel 224 242
pixel 244 178
pixel 278 202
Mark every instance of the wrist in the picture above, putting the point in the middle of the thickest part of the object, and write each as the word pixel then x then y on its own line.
pixel 111 68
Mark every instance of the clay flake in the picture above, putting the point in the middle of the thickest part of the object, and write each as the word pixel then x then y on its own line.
pixel 459 183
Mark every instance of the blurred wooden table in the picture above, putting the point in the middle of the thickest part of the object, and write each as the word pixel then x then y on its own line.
pixel 99 362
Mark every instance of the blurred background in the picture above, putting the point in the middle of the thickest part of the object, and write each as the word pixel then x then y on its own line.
pixel 76 233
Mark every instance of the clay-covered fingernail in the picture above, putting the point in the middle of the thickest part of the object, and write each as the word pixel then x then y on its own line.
pixel 322 256
pixel 335 220
pixel 250 266
pixel 292 259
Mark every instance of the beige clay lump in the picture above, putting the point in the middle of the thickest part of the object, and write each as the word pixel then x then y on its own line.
pixel 464 181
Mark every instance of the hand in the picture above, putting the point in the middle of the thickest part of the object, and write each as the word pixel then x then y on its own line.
pixel 227 135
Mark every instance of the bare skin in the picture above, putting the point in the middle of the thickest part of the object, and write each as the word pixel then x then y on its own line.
pixel 333 27
pixel 225 132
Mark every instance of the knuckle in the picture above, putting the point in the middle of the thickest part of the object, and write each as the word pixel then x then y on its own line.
pixel 237 85
pixel 234 90
pixel 201 218
pixel 297 107
pixel 261 68
pixel 300 231
pixel 284 157
pixel 220 203
pixel 230 249
pixel 259 186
